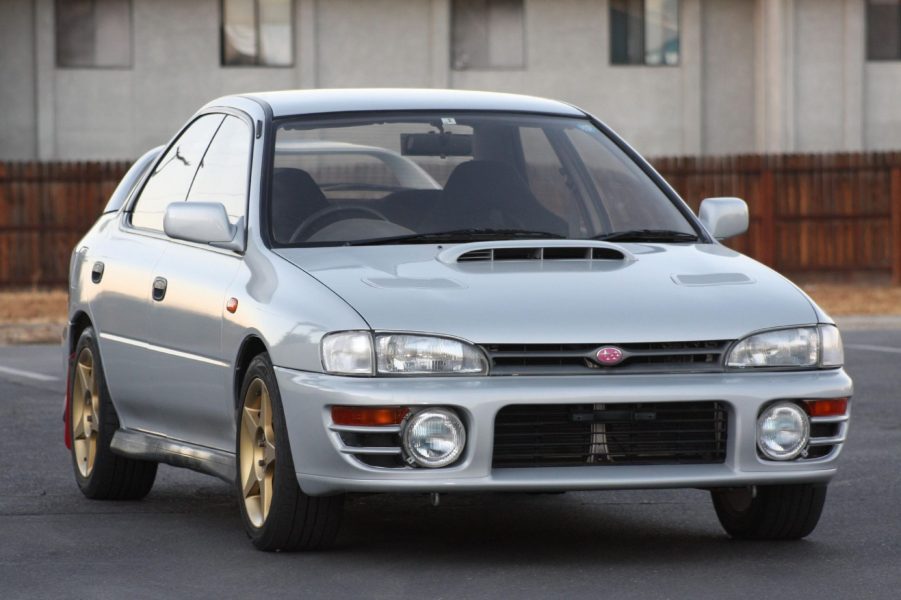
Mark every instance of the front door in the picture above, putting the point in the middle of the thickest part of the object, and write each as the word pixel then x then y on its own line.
pixel 126 266
pixel 193 397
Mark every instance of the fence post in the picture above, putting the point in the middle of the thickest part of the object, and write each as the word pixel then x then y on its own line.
pixel 767 206
pixel 896 225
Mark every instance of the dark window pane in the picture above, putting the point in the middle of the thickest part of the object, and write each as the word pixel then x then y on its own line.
pixel 74 33
pixel 93 33
pixel 172 177
pixel 626 32
pixel 644 32
pixel 223 173
pixel 487 34
pixel 112 38
pixel 257 32
pixel 239 38
pixel 884 29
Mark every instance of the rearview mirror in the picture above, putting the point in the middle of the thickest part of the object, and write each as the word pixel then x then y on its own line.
pixel 204 223
pixel 724 217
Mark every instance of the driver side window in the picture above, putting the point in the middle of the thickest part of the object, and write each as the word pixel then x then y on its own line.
pixel 173 175
pixel 224 172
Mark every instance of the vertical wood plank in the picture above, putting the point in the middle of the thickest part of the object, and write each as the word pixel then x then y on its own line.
pixel 896 225
pixel 767 216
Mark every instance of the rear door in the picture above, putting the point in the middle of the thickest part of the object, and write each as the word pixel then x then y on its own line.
pixel 193 398
pixel 127 268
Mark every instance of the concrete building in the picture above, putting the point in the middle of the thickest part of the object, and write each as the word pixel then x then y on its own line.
pixel 97 79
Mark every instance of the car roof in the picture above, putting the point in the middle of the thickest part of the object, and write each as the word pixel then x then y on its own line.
pixel 306 102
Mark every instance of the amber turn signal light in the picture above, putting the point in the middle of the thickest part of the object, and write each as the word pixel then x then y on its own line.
pixel 369 416
pixel 834 407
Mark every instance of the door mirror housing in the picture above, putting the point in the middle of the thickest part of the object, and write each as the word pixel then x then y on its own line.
pixel 203 223
pixel 724 217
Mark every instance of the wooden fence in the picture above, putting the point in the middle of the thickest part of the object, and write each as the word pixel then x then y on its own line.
pixel 45 208
pixel 837 213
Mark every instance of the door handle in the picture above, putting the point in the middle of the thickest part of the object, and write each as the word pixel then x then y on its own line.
pixel 159 288
pixel 97 272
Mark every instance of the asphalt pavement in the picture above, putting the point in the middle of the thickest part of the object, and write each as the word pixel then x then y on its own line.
pixel 185 539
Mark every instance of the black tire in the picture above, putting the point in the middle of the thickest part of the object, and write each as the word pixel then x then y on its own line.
pixel 112 477
pixel 777 512
pixel 295 521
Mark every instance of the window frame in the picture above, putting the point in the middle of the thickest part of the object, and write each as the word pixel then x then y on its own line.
pixel 525 46
pixel 866 37
pixel 131 42
pixel 125 213
pixel 643 62
pixel 257 65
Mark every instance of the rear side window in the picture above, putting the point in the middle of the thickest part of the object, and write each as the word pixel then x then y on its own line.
pixel 224 171
pixel 172 177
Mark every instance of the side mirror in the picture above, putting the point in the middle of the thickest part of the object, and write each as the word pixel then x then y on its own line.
pixel 724 217
pixel 204 223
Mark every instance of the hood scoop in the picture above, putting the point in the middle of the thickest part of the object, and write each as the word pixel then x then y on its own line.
pixel 535 250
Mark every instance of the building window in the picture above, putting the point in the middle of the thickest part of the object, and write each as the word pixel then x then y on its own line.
pixel 884 29
pixel 644 32
pixel 487 34
pixel 257 33
pixel 93 33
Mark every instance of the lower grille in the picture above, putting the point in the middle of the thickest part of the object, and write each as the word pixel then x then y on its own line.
pixel 557 435
pixel 377 446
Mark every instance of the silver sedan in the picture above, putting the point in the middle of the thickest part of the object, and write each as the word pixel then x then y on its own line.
pixel 314 293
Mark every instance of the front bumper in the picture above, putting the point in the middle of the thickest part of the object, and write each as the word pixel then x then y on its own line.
pixel 323 469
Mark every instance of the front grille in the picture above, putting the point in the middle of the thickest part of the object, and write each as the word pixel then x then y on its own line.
pixel 559 435
pixel 579 359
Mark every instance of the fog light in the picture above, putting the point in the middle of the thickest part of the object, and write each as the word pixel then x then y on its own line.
pixel 434 437
pixel 783 430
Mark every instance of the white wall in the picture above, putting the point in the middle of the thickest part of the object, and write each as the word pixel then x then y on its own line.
pixel 883 105
pixel 567 57
pixel 823 78
pixel 729 115
pixel 116 113
pixel 755 75
pixel 18 139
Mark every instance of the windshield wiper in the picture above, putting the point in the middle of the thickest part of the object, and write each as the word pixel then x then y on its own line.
pixel 647 235
pixel 458 235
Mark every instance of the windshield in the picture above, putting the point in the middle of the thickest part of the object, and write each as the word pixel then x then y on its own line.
pixel 448 177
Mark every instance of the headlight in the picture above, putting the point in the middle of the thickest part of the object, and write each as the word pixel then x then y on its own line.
pixel 347 353
pixel 403 354
pixel 833 354
pixel 354 353
pixel 783 431
pixel 798 347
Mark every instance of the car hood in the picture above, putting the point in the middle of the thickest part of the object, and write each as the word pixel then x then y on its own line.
pixel 657 292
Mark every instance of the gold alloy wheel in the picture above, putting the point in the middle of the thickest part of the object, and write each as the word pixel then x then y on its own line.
pixel 85 413
pixel 257 452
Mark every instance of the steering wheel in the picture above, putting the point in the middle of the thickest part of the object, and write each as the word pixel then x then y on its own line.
pixel 309 224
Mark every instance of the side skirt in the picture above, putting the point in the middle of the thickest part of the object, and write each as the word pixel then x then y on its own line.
pixel 149 446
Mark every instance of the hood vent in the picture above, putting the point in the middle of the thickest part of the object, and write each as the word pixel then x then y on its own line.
pixel 531 250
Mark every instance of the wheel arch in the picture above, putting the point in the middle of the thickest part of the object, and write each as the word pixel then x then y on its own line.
pixel 252 346
pixel 77 324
